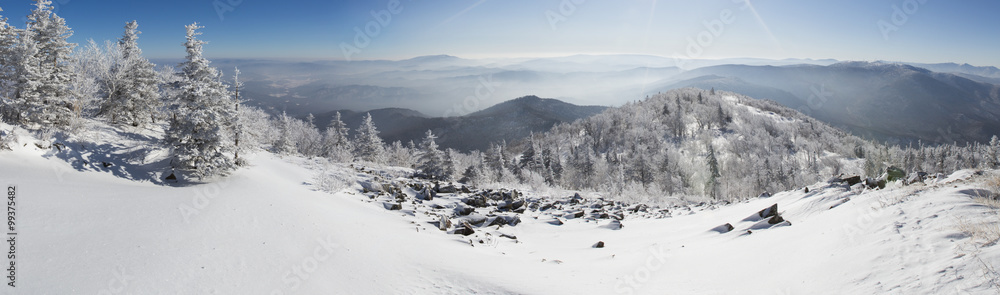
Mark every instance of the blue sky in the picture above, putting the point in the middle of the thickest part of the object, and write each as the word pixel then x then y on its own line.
pixel 931 31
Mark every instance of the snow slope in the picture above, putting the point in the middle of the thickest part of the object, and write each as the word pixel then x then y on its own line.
pixel 267 229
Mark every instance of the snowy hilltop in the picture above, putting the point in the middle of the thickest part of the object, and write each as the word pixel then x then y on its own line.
pixel 293 225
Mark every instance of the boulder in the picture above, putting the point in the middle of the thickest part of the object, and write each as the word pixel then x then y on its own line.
pixel 725 228
pixel 638 207
pixel 614 225
pixel 426 194
pixel 872 183
pixel 497 220
pixel 776 219
pixel 444 223
pixel 556 221
pixel 513 220
pixel 462 210
pixel 769 211
pixel 851 181
pixel 505 205
pixel 600 244
pixel 370 186
pixel 447 189
pixel 464 229
pixel 171 178
pixel 475 219
pixel 476 201
pixel 915 177
pixel 392 206
pixel 764 195
pixel 517 204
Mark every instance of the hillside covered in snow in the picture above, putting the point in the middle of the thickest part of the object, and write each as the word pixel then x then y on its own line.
pixel 292 225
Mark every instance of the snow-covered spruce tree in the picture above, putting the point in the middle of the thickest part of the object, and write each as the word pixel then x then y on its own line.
pixel 308 138
pixel 240 125
pixel 432 160
pixel 51 102
pixel 368 146
pixel 396 154
pixel 712 186
pixel 132 84
pixel 284 144
pixel 200 132
pixel 28 73
pixel 451 157
pixel 336 144
pixel 8 77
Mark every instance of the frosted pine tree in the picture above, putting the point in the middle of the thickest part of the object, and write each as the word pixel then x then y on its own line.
pixel 432 160
pixel 240 129
pixel 335 140
pixel 285 144
pixel 8 78
pixel 28 79
pixel 368 146
pixel 200 132
pixel 53 102
pixel 133 84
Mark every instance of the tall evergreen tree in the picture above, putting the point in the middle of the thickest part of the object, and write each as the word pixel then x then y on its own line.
pixel 201 128
pixel 133 86
pixel 368 146
pixel 432 160
pixel 51 102
pixel 28 75
pixel 8 68
pixel 285 144
pixel 713 173
pixel 240 129
pixel 335 138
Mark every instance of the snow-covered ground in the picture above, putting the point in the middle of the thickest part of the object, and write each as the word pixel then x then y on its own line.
pixel 272 229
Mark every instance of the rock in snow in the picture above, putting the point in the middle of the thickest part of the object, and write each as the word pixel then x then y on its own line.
pixel 725 228
pixel 392 206
pixel 769 211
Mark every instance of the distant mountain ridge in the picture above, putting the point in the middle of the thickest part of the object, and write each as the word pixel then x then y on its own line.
pixel 892 102
pixel 507 121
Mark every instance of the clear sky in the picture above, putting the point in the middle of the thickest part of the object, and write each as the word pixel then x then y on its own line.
pixel 920 30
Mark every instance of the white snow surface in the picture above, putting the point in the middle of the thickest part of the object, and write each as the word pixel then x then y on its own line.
pixel 267 229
